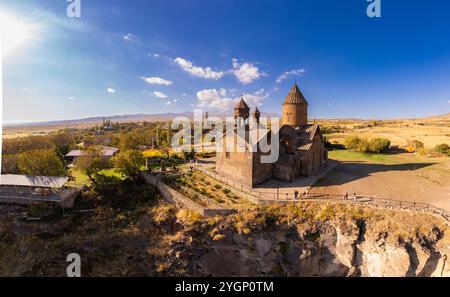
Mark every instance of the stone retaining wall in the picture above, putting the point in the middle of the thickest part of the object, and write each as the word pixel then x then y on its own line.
pixel 174 197
pixel 235 188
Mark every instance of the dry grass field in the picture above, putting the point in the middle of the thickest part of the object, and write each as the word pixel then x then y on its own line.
pixel 431 131
pixel 408 177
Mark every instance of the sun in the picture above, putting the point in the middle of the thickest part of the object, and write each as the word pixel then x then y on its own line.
pixel 15 32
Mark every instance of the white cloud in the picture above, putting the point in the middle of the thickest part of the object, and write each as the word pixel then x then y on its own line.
pixel 184 94
pixel 159 94
pixel 206 72
pixel 215 99
pixel 157 81
pixel 168 103
pixel 110 90
pixel 448 101
pixel 130 37
pixel 72 98
pixel 255 98
pixel 211 98
pixel 286 74
pixel 174 100
pixel 154 55
pixel 246 73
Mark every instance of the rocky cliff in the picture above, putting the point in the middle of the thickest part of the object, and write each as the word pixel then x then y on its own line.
pixel 298 240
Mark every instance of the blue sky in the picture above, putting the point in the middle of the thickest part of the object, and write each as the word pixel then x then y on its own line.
pixel 128 57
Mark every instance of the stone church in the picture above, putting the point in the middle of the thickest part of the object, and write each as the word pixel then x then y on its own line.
pixel 301 149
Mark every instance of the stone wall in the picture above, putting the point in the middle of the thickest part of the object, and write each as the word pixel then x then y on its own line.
pixel 235 187
pixel 174 197
pixel 236 166
pixel 261 171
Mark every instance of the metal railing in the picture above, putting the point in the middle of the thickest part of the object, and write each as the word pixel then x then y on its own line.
pixel 284 196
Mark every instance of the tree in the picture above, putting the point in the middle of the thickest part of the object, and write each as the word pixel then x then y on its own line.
pixel 20 145
pixel 63 141
pixel 43 162
pixel 92 161
pixel 130 141
pixel 379 145
pixel 415 146
pixel 443 149
pixel 9 164
pixel 129 163
pixel 354 143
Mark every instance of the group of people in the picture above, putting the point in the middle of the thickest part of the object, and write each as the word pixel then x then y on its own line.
pixel 354 197
pixel 296 196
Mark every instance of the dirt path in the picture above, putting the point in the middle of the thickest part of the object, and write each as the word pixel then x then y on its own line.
pixel 415 182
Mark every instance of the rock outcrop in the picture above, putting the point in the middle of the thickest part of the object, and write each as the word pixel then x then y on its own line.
pixel 304 240
pixel 326 248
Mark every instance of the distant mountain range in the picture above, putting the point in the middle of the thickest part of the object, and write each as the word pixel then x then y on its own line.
pixel 119 118
pixel 150 118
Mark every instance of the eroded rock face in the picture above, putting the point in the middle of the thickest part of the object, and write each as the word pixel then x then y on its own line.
pixel 252 245
pixel 341 249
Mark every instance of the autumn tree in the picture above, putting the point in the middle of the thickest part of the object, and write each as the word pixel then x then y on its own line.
pixel 92 161
pixel 43 162
pixel 129 163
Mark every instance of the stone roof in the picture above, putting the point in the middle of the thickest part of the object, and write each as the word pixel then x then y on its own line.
pixel 241 105
pixel 306 136
pixel 106 151
pixel 295 96
pixel 33 181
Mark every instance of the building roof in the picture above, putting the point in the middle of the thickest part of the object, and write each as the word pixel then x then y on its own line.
pixel 106 150
pixel 306 136
pixel 295 96
pixel 33 181
pixel 241 105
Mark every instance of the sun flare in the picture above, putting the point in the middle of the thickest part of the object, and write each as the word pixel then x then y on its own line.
pixel 15 32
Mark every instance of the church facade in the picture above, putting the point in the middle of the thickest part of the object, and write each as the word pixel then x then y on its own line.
pixel 301 149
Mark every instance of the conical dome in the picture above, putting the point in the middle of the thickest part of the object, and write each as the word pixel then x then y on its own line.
pixel 295 96
pixel 241 105
pixel 241 109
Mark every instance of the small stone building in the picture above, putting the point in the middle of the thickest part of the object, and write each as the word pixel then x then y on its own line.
pixel 301 149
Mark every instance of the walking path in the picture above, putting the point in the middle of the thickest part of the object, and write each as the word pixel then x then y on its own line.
pixel 274 191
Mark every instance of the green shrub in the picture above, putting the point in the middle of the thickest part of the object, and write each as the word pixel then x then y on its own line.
pixel 422 151
pixel 443 149
pixel 414 146
pixel 354 143
pixel 378 145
